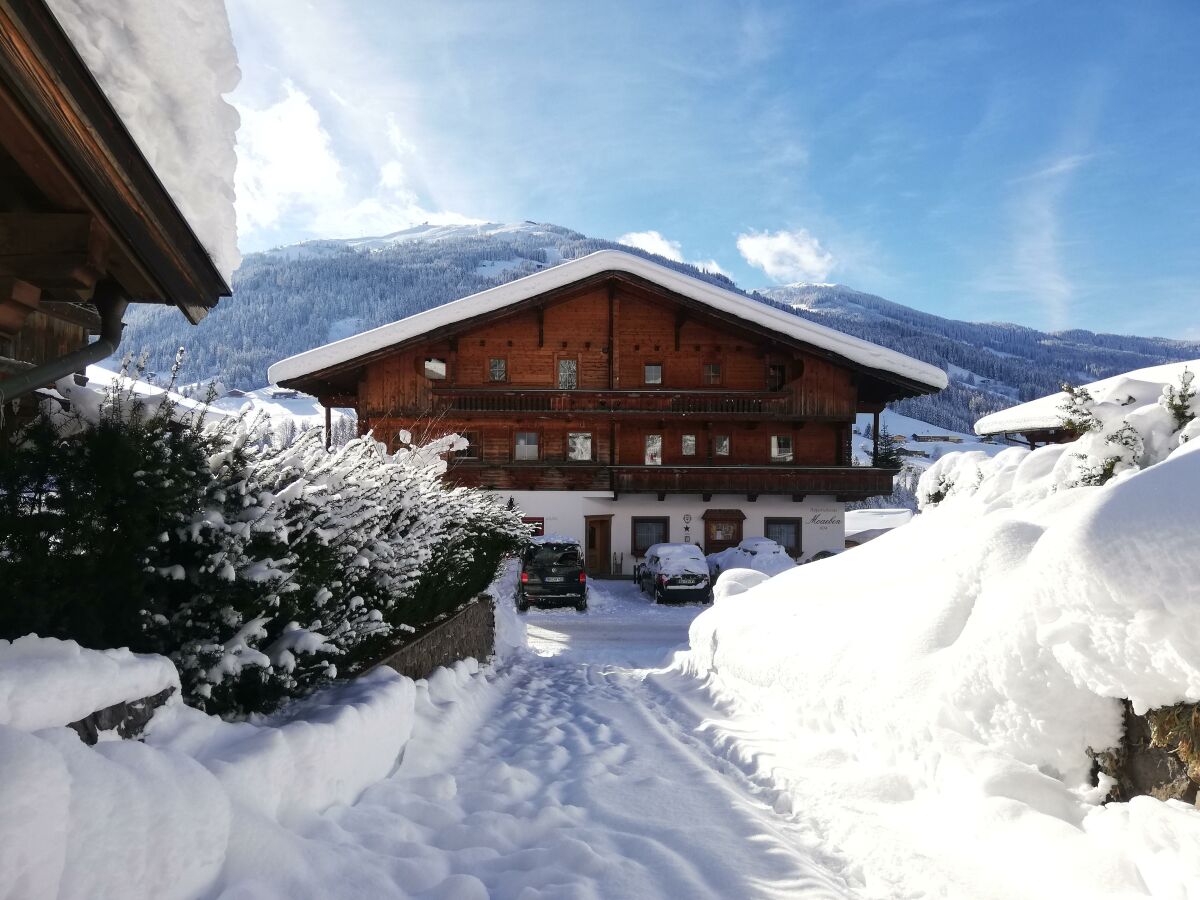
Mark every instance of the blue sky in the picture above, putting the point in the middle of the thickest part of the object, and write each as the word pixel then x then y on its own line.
pixel 1035 162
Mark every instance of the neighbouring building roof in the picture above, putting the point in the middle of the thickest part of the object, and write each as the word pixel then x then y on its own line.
pixel 1044 414
pixel 855 350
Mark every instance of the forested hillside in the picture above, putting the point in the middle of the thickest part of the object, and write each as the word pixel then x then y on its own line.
pixel 297 297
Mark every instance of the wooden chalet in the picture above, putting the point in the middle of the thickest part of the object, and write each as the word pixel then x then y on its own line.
pixel 85 224
pixel 625 403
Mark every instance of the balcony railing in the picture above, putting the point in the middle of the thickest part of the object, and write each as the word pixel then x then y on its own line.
pixel 853 482
pixel 492 400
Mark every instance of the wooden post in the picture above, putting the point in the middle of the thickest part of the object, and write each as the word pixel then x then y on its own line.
pixel 328 428
pixel 612 290
pixel 875 435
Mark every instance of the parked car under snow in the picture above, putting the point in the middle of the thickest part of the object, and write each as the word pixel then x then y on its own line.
pixel 757 553
pixel 675 573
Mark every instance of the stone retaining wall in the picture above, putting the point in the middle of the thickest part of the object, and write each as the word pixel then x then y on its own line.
pixel 470 632
pixel 1139 767
pixel 128 718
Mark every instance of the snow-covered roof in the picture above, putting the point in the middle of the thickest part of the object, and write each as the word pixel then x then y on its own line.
pixel 853 349
pixel 164 66
pixel 1044 413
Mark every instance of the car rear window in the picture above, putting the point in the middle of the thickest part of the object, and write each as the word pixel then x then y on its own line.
pixel 554 556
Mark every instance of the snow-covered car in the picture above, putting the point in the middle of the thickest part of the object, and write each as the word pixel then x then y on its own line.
pixel 757 553
pixel 675 573
pixel 552 574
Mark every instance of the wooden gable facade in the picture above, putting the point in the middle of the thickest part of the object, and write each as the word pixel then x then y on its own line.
pixel 617 384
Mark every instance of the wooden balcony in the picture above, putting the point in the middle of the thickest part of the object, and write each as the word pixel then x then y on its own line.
pixel 851 483
pixel 848 482
pixel 504 401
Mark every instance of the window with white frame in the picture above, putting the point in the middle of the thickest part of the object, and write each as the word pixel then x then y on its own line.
pixel 652 373
pixel 568 374
pixel 654 446
pixel 579 446
pixel 526 446
pixel 781 448
pixel 498 369
pixel 712 373
pixel 688 445
pixel 721 445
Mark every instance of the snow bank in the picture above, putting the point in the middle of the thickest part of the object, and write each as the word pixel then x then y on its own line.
pixel 46 682
pixel 953 704
pixel 326 750
pixel 164 66
pixel 189 810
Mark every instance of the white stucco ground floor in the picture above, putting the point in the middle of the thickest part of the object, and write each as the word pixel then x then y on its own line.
pixel 628 522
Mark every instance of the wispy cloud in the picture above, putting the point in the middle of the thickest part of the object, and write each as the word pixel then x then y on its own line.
pixel 786 255
pixel 288 170
pixel 653 242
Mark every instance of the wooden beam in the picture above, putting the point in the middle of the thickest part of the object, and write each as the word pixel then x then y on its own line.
pixel 17 300
pixel 612 333
pixel 53 250
pixel 875 435
pixel 328 427
pixel 541 317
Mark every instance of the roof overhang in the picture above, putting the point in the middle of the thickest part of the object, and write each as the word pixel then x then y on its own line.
pixel 63 135
pixel 330 365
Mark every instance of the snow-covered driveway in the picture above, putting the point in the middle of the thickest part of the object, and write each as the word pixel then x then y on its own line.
pixel 577 776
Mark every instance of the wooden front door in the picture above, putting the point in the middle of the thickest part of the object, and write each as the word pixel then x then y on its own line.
pixel 722 529
pixel 598 541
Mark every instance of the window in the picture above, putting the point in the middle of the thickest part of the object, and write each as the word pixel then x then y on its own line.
pixel 652 373
pixel 784 532
pixel 526 445
pixel 568 374
pixel 579 446
pixel 435 369
pixel 497 369
pixel 721 445
pixel 776 377
pixel 649 531
pixel 472 450
pixel 781 448
pixel 654 449
pixel 689 445
pixel 712 373
pixel 538 523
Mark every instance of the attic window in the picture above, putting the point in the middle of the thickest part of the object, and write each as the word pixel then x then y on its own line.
pixel 435 369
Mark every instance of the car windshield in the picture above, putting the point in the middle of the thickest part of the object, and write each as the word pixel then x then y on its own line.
pixel 554 555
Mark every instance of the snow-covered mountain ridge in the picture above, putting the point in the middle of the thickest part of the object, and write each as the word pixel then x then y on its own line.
pixel 293 298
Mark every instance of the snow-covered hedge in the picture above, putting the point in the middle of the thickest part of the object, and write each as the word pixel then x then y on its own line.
pixel 262 571
pixel 956 707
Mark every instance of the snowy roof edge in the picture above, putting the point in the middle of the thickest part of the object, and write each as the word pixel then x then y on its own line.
pixel 854 349
pixel 1043 413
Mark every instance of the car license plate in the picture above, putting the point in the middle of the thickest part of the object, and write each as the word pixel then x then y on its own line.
pixel 554 578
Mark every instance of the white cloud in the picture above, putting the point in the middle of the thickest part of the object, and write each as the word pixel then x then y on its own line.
pixel 290 175
pixel 653 242
pixel 786 255
pixel 710 265
pixel 285 162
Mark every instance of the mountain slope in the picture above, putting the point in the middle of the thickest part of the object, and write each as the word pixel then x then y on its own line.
pixel 991 365
pixel 298 297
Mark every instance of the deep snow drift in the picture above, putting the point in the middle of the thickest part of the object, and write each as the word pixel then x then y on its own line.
pixel 948 700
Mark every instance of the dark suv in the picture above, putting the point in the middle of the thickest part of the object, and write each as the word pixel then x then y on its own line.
pixel 552 575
